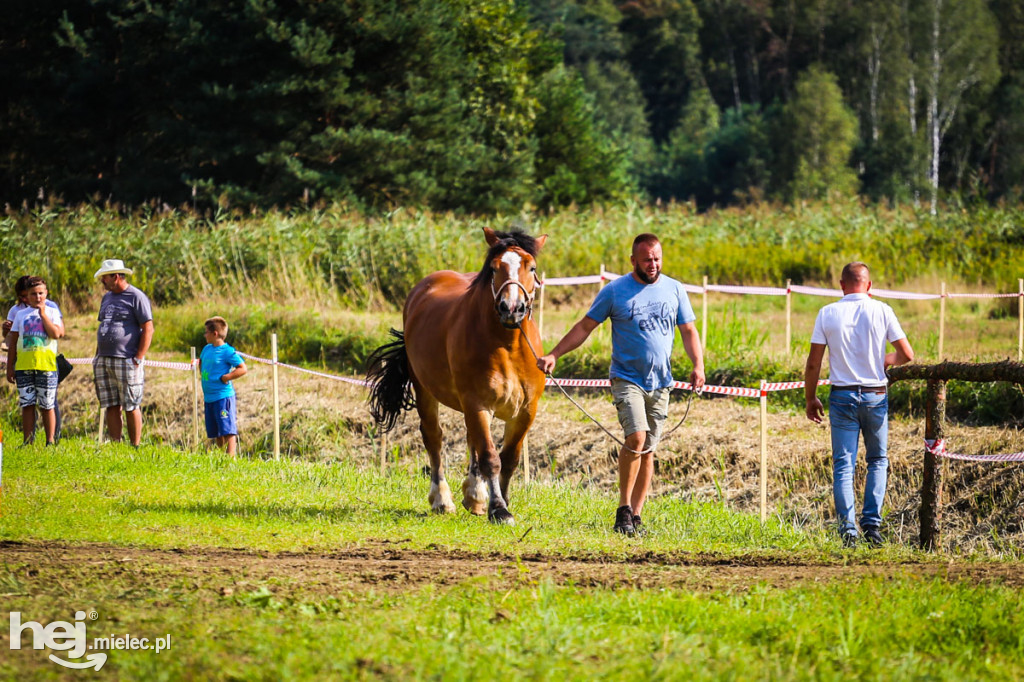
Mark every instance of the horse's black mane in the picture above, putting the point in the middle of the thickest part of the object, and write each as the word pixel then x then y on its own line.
pixel 506 240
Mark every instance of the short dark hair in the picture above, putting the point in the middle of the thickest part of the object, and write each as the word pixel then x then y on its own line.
pixel 645 238
pixel 217 324
pixel 21 286
pixel 854 272
pixel 32 283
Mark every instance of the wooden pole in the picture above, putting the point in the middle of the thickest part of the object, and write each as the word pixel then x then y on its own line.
pixel 601 286
pixel 195 400
pixel 383 451
pixel 1020 320
pixel 99 432
pixel 789 318
pixel 704 317
pixel 277 402
pixel 526 459
pixel 540 314
pixel 764 453
pixel 931 484
pixel 942 319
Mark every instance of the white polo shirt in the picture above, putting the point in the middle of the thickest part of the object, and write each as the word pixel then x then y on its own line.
pixel 856 328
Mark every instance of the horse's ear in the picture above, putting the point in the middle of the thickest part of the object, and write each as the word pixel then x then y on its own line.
pixel 492 238
pixel 540 241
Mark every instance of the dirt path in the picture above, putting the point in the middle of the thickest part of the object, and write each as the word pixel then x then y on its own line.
pixel 389 566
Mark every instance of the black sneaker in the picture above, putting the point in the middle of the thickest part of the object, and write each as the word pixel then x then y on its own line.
pixel 873 537
pixel 624 520
pixel 638 526
pixel 849 539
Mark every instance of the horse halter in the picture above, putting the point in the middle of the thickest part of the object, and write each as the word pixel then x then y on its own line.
pixel 538 283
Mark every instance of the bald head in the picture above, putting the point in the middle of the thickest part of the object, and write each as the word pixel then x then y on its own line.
pixel 856 278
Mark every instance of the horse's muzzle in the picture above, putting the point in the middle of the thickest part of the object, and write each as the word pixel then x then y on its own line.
pixel 511 316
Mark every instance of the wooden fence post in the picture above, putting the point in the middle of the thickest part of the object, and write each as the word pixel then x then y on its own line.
pixel 764 453
pixel 942 319
pixel 383 451
pixel 931 484
pixel 277 402
pixel 789 318
pixel 540 316
pixel 99 432
pixel 195 400
pixel 704 317
pixel 526 459
pixel 1020 320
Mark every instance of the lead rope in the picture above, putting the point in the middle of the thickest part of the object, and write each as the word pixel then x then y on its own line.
pixel 689 400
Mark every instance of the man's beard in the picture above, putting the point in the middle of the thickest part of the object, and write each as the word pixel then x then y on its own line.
pixel 644 277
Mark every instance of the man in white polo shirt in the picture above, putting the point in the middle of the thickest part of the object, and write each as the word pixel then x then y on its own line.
pixel 855 330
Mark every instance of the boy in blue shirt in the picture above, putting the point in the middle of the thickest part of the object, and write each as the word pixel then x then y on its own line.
pixel 219 365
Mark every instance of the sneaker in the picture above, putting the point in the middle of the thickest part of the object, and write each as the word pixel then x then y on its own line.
pixel 849 539
pixel 638 526
pixel 873 537
pixel 624 520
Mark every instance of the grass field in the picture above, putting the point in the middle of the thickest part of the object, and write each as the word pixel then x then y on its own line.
pixel 299 570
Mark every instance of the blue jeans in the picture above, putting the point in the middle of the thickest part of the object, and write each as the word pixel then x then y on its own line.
pixel 851 413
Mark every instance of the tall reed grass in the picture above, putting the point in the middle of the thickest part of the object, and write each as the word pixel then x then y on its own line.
pixel 370 262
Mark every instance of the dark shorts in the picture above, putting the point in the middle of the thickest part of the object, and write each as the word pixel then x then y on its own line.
pixel 221 419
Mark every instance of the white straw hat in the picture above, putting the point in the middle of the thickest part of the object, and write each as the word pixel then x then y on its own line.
pixel 112 266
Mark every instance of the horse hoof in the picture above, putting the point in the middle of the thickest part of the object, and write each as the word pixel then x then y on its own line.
pixel 440 499
pixel 474 496
pixel 501 516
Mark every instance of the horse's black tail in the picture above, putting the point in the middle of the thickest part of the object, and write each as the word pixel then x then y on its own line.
pixel 390 388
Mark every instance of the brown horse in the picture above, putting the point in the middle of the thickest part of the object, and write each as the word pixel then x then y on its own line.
pixel 467 345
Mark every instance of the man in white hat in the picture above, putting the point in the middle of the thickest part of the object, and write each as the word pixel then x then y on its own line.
pixel 122 341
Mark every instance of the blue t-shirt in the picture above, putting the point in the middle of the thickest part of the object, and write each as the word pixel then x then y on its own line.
pixel 216 362
pixel 644 319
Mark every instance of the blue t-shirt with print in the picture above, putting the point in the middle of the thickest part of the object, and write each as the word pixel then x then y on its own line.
pixel 644 319
pixel 216 362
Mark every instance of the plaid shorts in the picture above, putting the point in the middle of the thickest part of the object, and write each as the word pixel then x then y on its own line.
pixel 118 382
pixel 36 387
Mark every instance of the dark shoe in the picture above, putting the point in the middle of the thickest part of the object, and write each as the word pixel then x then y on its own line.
pixel 849 539
pixel 638 526
pixel 624 520
pixel 873 537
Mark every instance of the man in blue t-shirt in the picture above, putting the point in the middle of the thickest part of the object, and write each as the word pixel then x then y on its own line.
pixel 645 308
pixel 219 365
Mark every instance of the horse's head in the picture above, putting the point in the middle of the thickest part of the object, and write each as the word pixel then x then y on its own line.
pixel 512 267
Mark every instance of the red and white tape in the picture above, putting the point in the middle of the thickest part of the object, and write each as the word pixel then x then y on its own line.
pixel 938 448
pixel 571 281
pixel 761 291
pixel 333 377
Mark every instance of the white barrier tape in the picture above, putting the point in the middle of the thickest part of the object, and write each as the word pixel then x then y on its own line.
pixel 1017 295
pixel 938 448
pixel 761 291
pixel 789 385
pixel 569 281
pixel 186 366
pixel 905 295
pixel 815 291
pixel 777 291
pixel 333 377
pixel 683 385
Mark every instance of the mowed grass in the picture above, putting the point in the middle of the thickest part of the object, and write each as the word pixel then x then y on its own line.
pixel 227 626
pixel 161 497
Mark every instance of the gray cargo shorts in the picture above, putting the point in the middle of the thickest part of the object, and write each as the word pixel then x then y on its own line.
pixel 641 410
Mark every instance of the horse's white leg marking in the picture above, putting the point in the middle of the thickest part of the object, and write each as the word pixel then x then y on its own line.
pixel 440 498
pixel 474 494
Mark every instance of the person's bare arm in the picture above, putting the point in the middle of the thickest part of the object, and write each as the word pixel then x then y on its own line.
pixel 147 338
pixel 902 355
pixel 236 372
pixel 691 344
pixel 12 355
pixel 571 341
pixel 812 372
pixel 55 330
